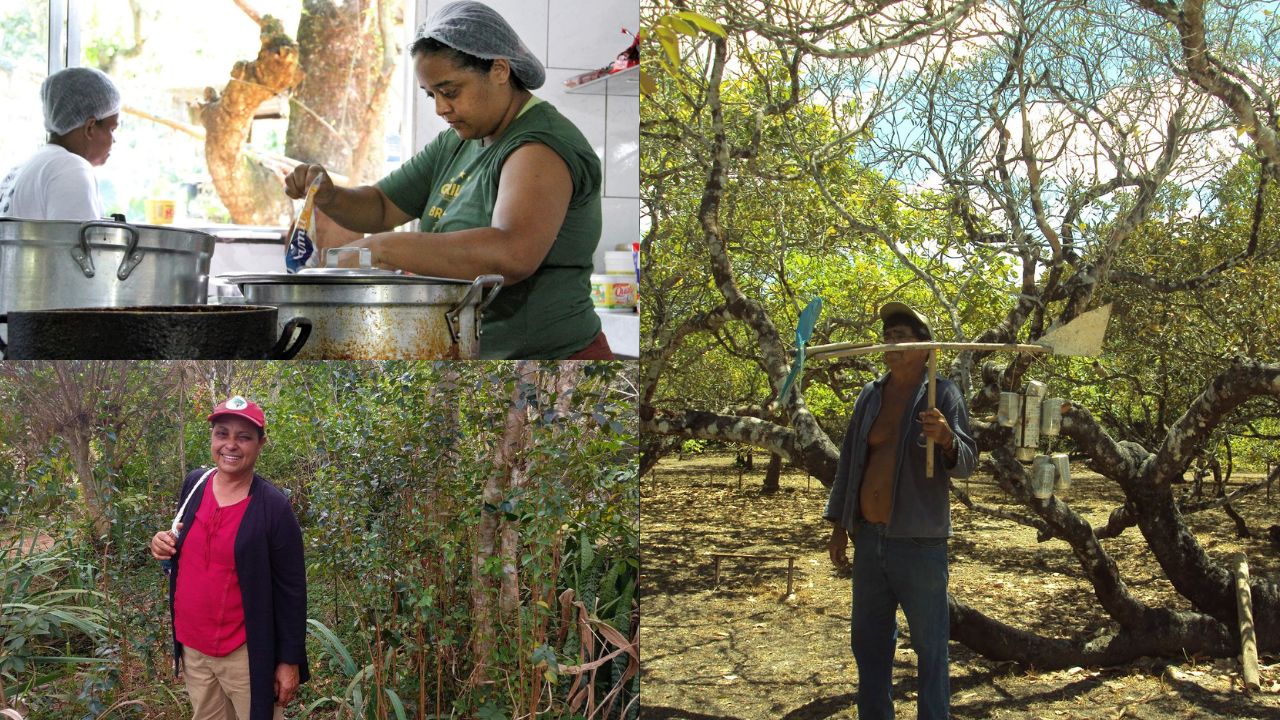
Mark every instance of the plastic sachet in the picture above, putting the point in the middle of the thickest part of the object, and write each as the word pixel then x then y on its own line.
pixel 301 253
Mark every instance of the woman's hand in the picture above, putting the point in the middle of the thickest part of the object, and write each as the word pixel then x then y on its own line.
pixel 286 683
pixel 296 184
pixel 164 544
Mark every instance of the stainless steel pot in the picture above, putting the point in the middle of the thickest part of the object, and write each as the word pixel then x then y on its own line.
pixel 370 314
pixel 48 264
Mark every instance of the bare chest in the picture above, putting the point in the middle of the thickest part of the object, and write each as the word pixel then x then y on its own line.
pixel 888 423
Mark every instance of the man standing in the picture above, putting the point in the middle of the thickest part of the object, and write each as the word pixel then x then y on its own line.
pixel 238 589
pixel 899 517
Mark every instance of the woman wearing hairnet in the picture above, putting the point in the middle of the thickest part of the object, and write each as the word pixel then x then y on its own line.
pixel 513 188
pixel 81 111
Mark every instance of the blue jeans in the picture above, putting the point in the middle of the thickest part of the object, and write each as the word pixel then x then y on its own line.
pixel 911 572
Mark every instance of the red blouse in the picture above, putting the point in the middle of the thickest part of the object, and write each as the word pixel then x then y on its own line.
pixel 208 612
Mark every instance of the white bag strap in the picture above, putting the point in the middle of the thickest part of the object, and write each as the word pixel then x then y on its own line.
pixel 183 508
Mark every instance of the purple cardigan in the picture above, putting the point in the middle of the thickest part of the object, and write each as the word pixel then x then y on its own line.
pixel 273 588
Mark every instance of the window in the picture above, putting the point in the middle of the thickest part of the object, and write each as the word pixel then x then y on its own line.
pixel 327 88
pixel 24 63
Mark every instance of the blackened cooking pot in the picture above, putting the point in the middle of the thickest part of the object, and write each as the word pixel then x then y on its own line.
pixel 173 332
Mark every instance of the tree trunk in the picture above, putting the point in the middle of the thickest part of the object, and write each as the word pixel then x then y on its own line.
pixel 251 192
pixel 1176 634
pixel 349 53
pixel 772 475
pixel 508 462
pixel 78 439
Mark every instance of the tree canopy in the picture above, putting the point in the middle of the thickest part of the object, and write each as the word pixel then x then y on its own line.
pixel 1005 166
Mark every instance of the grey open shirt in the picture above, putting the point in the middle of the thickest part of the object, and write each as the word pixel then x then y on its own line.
pixel 921 506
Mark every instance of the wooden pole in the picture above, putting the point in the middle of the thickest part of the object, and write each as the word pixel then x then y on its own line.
pixel 933 401
pixel 1244 612
pixel 791 566
pixel 846 349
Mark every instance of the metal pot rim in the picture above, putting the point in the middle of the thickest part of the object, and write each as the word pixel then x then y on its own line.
pixel 351 278
pixel 152 309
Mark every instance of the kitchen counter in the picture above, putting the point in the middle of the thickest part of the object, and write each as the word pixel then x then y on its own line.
pixel 623 331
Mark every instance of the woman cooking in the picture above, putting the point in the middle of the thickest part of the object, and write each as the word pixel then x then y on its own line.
pixel 513 189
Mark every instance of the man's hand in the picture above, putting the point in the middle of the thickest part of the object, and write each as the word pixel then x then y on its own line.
pixel 286 683
pixel 936 428
pixel 164 544
pixel 838 547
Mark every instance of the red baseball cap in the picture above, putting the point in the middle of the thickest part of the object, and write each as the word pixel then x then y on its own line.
pixel 238 406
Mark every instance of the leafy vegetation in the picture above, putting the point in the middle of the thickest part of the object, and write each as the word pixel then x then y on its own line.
pixel 390 469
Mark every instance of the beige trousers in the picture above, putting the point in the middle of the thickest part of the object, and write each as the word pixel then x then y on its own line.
pixel 219 686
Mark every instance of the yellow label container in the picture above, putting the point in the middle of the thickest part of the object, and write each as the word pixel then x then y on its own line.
pixel 159 212
pixel 614 292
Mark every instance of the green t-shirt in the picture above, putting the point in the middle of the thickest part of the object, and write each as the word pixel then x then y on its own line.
pixel 453 184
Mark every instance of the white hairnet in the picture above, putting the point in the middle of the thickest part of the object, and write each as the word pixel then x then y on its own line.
pixel 477 29
pixel 76 94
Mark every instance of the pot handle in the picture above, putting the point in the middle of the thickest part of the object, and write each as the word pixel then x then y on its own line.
pixel 454 314
pixel 283 350
pixel 132 256
pixel 364 256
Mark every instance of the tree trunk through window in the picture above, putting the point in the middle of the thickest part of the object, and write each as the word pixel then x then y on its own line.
pixel 338 71
pixel 251 192
pixel 348 54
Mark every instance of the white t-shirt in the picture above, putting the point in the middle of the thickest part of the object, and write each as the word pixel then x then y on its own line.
pixel 55 184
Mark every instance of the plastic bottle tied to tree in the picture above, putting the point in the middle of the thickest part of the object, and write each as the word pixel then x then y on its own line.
pixel 1010 409
pixel 1029 438
pixel 1042 476
pixel 1051 416
pixel 1062 472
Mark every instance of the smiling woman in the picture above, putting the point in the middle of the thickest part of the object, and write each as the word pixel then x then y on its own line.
pixel 237 587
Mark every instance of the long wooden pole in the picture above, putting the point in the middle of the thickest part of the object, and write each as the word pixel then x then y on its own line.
pixel 1244 613
pixel 846 349
pixel 933 402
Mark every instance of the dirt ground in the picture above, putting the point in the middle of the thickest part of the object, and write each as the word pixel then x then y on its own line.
pixel 744 650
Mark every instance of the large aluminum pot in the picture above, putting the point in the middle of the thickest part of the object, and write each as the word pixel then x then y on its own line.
pixel 56 264
pixel 168 332
pixel 370 314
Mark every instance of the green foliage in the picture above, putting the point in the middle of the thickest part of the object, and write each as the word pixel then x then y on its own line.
pixel 385 464
pixel 693 446
pixel 356 700
pixel 665 31
pixel 20 35
pixel 53 626
pixel 860 180
pixel 1164 346
pixel 787 241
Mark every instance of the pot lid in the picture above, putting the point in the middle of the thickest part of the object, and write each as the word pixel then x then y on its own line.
pixel 331 274
pixel 338 276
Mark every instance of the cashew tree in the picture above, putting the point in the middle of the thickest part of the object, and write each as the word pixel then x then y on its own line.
pixel 1009 166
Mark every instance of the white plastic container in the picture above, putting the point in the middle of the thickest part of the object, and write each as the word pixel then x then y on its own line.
pixel 618 262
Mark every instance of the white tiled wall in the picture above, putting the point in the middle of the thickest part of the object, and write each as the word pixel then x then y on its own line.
pixel 571 37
